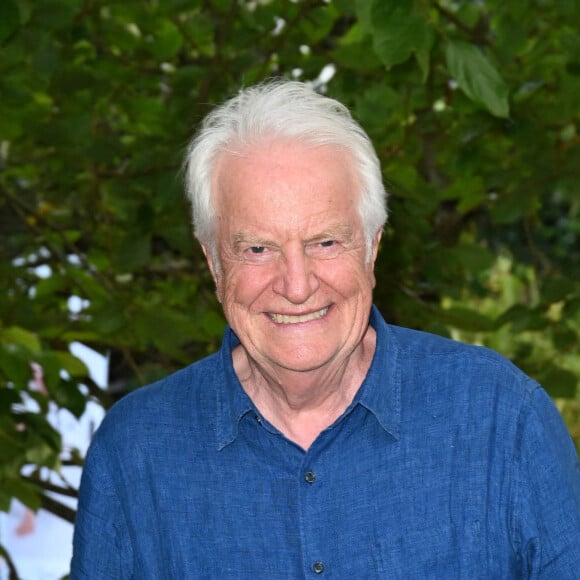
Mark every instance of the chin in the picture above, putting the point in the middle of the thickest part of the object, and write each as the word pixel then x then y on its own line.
pixel 301 362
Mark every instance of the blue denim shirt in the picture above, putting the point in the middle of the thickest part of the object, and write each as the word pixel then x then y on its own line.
pixel 450 463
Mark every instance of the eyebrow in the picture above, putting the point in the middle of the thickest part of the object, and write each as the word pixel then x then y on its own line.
pixel 340 232
pixel 336 231
pixel 244 238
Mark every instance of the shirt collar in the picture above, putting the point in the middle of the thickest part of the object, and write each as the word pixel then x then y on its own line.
pixel 232 401
pixel 380 392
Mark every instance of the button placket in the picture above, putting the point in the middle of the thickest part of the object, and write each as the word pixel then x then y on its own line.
pixel 312 487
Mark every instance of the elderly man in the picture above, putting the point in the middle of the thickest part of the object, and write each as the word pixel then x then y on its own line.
pixel 321 441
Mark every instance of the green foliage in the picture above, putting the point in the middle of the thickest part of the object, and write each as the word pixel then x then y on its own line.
pixel 477 77
pixel 474 112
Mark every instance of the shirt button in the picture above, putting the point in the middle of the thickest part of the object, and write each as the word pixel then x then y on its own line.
pixel 318 567
pixel 310 477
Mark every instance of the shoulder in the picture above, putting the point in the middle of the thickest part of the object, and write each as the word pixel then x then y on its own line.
pixel 458 384
pixel 179 400
pixel 460 363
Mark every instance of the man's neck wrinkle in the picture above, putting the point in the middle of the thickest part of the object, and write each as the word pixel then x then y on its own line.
pixel 302 404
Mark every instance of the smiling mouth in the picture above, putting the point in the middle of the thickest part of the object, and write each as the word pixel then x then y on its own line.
pixel 291 319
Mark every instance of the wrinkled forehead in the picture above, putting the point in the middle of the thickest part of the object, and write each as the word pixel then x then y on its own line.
pixel 286 185
pixel 307 154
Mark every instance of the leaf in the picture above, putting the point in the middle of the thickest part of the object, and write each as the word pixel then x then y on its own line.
pixel 43 440
pixel 355 51
pixel 71 364
pixel 167 39
pixel 9 18
pixel 523 318
pixel 512 314
pixel 556 289
pixel 474 257
pixel 40 453
pixel 319 23
pixel 108 320
pixel 468 191
pixel 470 200
pixel 75 79
pixel 213 324
pixel 22 337
pixel 47 56
pixel 364 14
pixel 559 382
pixel 572 309
pixel 133 252
pixel 50 369
pixel 11 451
pixel 49 286
pixel 467 319
pixel 54 14
pixel 26 492
pixel 10 125
pixel 68 396
pixel 397 32
pixel 8 398
pixel 512 206
pixel 168 329
pixel 202 29
pixel 14 365
pixel 405 178
pixel 477 77
pixel 565 338
pixel 423 57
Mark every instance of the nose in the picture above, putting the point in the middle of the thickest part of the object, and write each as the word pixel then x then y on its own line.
pixel 296 280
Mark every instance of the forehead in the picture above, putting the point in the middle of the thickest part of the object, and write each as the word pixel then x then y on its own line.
pixel 281 190
pixel 285 174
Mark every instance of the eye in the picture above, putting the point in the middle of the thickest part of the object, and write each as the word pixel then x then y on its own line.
pixel 324 249
pixel 258 254
pixel 257 249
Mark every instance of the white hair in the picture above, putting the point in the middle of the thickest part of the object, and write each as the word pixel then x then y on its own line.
pixel 286 110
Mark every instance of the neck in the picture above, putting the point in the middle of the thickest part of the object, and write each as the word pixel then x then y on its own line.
pixel 302 404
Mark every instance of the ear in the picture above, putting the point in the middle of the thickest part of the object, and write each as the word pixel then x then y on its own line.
pixel 213 268
pixel 374 252
pixel 376 243
pixel 209 260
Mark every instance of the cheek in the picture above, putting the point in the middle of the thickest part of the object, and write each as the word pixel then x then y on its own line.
pixel 245 285
pixel 349 280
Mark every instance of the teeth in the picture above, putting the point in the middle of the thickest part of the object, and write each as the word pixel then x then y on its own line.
pixel 288 319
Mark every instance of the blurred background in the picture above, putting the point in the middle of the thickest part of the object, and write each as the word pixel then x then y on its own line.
pixel 472 106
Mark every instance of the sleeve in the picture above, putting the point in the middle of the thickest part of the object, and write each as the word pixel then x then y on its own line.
pixel 101 544
pixel 549 502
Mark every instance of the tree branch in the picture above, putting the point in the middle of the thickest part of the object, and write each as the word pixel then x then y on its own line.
pixel 58 509
pixel 12 572
pixel 478 34
pixel 23 210
pixel 47 486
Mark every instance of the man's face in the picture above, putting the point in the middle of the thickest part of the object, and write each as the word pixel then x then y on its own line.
pixel 293 280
